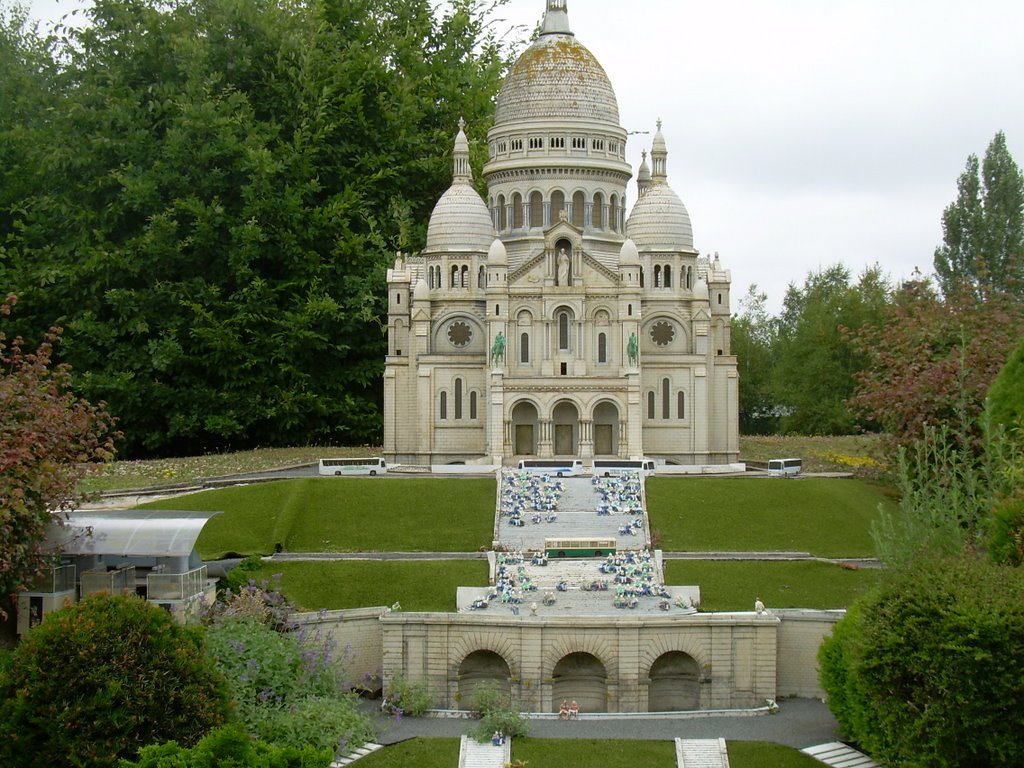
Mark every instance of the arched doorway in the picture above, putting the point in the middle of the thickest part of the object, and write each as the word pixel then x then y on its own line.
pixel 566 419
pixel 606 429
pixel 675 683
pixel 524 429
pixel 580 677
pixel 483 668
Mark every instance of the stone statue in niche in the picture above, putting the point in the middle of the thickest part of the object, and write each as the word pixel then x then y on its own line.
pixel 563 267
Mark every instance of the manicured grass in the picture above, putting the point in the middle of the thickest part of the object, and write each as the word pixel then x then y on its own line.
pixel 761 754
pixel 415 753
pixel 826 517
pixel 734 585
pixel 345 515
pixel 418 585
pixel 588 753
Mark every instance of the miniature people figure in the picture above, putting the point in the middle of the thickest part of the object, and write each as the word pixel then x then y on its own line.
pixel 574 711
pixel 563 267
pixel 758 606
pixel 496 739
pixel 498 349
pixel 563 712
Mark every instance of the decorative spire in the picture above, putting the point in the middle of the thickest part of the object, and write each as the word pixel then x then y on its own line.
pixel 556 19
pixel 643 176
pixel 462 172
pixel 659 156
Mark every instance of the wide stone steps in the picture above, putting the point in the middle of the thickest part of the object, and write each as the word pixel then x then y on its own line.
pixel 362 751
pixel 840 755
pixel 473 754
pixel 701 753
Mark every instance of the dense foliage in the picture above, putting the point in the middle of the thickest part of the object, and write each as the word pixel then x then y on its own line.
pixel 1004 403
pixel 47 438
pixel 100 679
pixel 207 194
pixel 229 746
pixel 926 671
pixel 983 229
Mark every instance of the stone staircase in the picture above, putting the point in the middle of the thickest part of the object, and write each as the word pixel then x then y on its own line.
pixel 473 754
pixel 363 751
pixel 840 755
pixel 701 753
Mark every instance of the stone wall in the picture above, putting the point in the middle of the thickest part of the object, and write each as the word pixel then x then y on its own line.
pixel 801 633
pixel 357 634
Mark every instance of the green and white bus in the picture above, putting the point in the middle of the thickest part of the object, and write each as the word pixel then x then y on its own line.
pixel 579 547
pixel 373 466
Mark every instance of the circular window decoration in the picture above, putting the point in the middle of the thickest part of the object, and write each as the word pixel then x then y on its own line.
pixel 663 333
pixel 459 334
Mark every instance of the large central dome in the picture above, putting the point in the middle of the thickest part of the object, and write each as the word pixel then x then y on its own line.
pixel 555 78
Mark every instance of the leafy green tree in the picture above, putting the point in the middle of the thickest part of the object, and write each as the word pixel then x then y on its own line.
pixel 99 679
pixel 815 357
pixel 229 746
pixel 47 439
pixel 753 341
pixel 1005 400
pixel 983 229
pixel 218 195
pixel 926 670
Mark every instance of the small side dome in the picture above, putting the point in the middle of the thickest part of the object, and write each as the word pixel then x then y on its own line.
pixel 497 255
pixel 700 290
pixel 628 254
pixel 421 292
pixel 659 221
pixel 460 222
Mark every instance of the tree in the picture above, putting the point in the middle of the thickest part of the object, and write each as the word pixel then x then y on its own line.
pixel 1004 402
pixel 219 194
pixel 753 340
pixel 912 672
pixel 100 679
pixel 983 229
pixel 815 360
pixel 47 438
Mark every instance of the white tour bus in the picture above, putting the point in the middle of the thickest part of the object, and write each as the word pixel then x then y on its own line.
pixel 784 466
pixel 374 466
pixel 609 467
pixel 558 467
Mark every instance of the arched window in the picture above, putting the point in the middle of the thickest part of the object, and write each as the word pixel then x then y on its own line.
pixel 472 406
pixel 664 399
pixel 629 310
pixel 524 348
pixel 657 275
pixel 455 276
pixel 719 299
pixel 517 211
pixel 689 278
pixel 681 405
pixel 597 218
pixel 481 278
pixel 641 277
pixel 444 406
pixel 458 399
pixel 502 214
pixel 557 205
pixel 563 330
pixel 465 276
pixel 650 404
pixel 578 204
pixel 613 213
pixel 668 276
pixel 602 348
pixel 536 209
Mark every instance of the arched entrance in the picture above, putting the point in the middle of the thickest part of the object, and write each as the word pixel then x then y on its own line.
pixel 606 429
pixel 524 429
pixel 483 668
pixel 675 683
pixel 566 420
pixel 580 677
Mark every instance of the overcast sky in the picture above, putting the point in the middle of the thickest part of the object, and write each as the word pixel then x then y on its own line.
pixel 802 133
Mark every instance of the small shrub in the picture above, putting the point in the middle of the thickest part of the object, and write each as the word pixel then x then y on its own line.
pixel 101 678
pixel 496 713
pixel 405 698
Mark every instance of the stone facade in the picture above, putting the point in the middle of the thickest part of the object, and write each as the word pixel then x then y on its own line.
pixel 543 322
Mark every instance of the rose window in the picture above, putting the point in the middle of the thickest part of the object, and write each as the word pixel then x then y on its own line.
pixel 459 334
pixel 663 333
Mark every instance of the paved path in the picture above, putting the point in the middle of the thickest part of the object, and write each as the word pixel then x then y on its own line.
pixel 702 753
pixel 840 755
pixel 473 754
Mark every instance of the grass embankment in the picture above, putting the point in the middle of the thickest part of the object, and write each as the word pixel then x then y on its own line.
pixel 861 454
pixel 828 518
pixel 345 515
pixel 585 753
pixel 418 585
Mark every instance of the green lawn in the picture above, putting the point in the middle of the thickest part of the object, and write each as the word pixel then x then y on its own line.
pixel 419 586
pixel 584 753
pixel 345 515
pixel 734 585
pixel 826 517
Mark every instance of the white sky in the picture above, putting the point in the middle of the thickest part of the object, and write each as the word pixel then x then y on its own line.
pixel 802 133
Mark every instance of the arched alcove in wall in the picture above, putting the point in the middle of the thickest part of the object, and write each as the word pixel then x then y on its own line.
pixel 582 678
pixel 675 683
pixel 483 668
pixel 566 418
pixel 606 429
pixel 525 421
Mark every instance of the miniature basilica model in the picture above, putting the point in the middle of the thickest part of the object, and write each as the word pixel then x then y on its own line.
pixel 543 322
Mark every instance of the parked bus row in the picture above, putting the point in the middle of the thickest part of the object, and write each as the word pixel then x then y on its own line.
pixel 557 467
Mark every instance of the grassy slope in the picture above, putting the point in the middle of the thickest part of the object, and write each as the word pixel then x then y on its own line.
pixel 345 515
pixel 828 518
